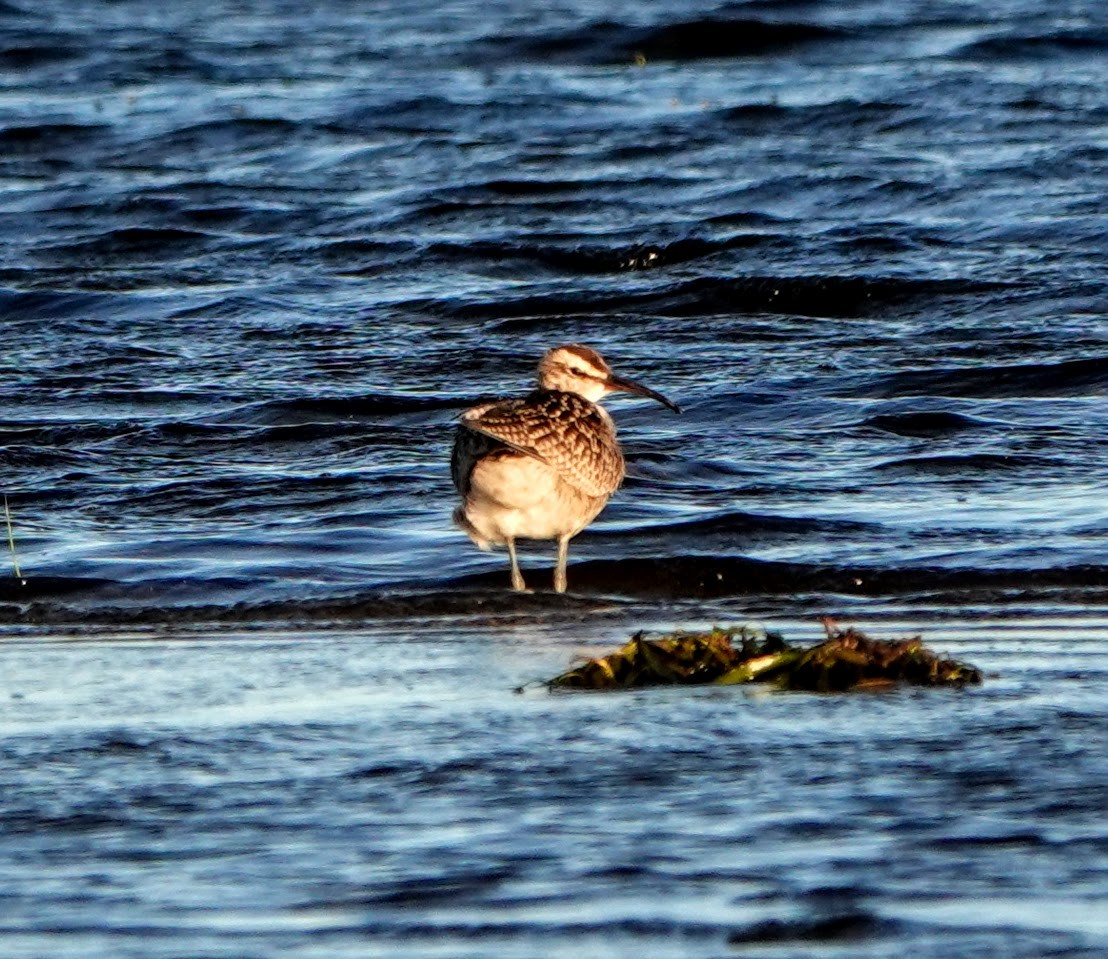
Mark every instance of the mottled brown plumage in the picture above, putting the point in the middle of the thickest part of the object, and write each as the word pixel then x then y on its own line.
pixel 542 466
pixel 567 432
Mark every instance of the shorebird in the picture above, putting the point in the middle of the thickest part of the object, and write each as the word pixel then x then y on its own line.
pixel 544 465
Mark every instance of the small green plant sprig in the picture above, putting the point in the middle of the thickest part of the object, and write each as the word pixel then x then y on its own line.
pixel 11 540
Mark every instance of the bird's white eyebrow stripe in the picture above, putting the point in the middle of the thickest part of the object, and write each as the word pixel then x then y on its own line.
pixel 587 354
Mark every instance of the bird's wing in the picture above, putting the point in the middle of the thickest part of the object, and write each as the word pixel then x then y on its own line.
pixel 470 446
pixel 564 430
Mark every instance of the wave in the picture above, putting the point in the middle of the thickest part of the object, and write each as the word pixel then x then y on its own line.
pixel 15 12
pixel 25 458
pixel 1064 378
pixel 53 304
pixel 591 258
pixel 607 41
pixel 232 135
pixel 339 408
pixel 136 61
pixel 497 192
pixel 969 463
pixel 45 137
pixel 77 434
pixel 132 243
pixel 924 423
pixel 855 927
pixel 1051 45
pixel 104 603
pixel 427 114
pixel 738 524
pixel 701 577
pixel 37 588
pixel 843 115
pixel 817 296
pixel 359 250
pixel 713 38
pixel 32 54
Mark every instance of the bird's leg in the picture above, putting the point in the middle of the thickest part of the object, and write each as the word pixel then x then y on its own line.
pixel 517 577
pixel 560 569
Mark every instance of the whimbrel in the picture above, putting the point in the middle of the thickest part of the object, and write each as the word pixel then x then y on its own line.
pixel 544 465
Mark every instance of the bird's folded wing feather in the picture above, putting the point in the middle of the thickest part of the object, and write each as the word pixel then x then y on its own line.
pixel 563 430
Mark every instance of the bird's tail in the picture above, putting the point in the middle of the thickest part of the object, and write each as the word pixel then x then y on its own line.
pixel 470 530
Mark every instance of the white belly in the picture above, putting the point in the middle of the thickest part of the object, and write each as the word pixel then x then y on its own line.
pixel 519 497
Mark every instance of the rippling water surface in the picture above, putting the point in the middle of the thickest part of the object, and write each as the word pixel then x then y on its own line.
pixel 254 258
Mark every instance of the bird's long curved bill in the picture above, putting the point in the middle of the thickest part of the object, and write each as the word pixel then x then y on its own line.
pixel 618 383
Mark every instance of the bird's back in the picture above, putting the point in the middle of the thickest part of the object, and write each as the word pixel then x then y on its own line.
pixel 567 432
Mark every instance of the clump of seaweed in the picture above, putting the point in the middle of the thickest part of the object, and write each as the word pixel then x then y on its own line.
pixel 676 658
pixel 846 660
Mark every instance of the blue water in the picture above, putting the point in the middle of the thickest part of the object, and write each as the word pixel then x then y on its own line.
pixel 255 688
pixel 381 790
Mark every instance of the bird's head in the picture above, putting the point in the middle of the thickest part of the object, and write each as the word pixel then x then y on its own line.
pixel 581 370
